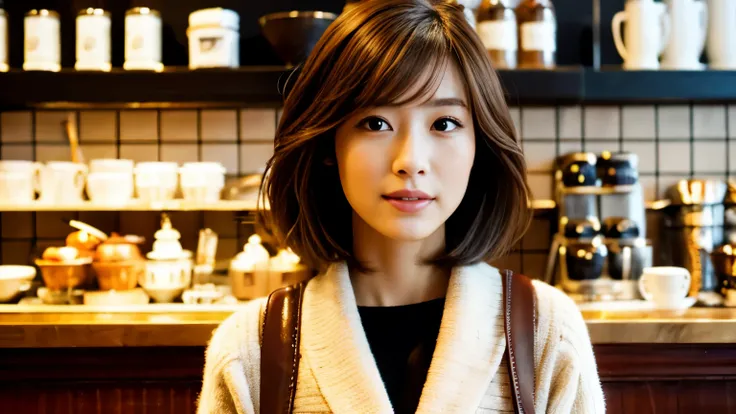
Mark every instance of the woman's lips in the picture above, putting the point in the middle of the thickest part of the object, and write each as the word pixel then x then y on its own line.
pixel 408 201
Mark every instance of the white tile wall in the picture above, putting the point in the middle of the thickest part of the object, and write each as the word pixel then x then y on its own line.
pixel 709 121
pixel 515 113
pixel 539 156
pixel 539 123
pixel 638 121
pixel 569 146
pixel 666 181
pixel 709 157
pixel 17 152
pixel 138 125
pixel 92 151
pixel 674 157
pixel 180 153
pixel 674 121
pixel 647 155
pixel 16 126
pixel 50 125
pixel 253 157
pixel 139 152
pixel 219 125
pixel 732 121
pixel 600 146
pixel 601 122
pixel 257 124
pixel 227 154
pixel 570 122
pixel 97 126
pixel 541 186
pixel 179 125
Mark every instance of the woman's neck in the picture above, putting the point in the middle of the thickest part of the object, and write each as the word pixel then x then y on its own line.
pixel 398 276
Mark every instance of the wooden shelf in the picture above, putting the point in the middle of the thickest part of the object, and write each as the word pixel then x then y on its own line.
pixel 174 205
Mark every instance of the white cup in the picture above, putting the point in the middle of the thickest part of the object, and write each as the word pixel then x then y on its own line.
pixel 645 35
pixel 111 165
pixel 156 181
pixel 666 286
pixel 110 188
pixel 63 182
pixel 32 171
pixel 17 187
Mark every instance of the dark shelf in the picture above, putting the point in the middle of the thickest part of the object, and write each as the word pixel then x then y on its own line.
pixel 260 86
pixel 257 86
pixel 619 86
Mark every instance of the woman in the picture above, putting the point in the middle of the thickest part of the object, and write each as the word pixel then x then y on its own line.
pixel 398 173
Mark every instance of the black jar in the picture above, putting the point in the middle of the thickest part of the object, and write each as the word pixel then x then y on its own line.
pixel 616 169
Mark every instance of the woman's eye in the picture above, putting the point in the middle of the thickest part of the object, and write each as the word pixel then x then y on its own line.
pixel 375 124
pixel 445 125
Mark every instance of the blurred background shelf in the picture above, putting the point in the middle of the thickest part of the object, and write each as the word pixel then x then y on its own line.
pixel 262 86
pixel 613 85
pixel 253 86
pixel 175 205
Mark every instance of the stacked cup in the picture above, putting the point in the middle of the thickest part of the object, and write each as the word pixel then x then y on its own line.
pixel 110 181
pixel 202 182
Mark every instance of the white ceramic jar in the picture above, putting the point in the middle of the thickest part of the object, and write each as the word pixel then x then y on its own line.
pixel 214 39
pixel 42 41
pixel 143 40
pixel 3 41
pixel 93 40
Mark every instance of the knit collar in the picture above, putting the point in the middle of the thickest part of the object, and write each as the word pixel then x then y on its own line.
pixel 468 352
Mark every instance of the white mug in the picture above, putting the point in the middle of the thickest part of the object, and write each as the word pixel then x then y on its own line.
pixel 156 181
pixel 21 180
pixel 666 286
pixel 721 46
pixel 110 188
pixel 688 31
pixel 63 182
pixel 17 187
pixel 646 34
pixel 111 165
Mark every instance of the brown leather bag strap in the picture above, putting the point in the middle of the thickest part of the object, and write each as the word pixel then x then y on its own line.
pixel 520 323
pixel 280 349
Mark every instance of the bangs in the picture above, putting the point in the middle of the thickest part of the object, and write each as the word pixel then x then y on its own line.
pixel 401 57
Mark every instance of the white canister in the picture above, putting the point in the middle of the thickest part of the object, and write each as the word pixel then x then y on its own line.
pixel 143 40
pixel 42 43
pixel 3 41
pixel 93 40
pixel 214 39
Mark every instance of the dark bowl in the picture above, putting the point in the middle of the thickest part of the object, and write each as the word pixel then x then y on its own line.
pixel 294 34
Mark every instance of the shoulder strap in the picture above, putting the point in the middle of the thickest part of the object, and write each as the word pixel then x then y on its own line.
pixel 520 325
pixel 280 349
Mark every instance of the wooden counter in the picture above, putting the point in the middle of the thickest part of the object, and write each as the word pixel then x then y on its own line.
pixel 150 359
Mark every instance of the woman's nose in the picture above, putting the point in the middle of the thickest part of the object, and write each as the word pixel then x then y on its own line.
pixel 412 157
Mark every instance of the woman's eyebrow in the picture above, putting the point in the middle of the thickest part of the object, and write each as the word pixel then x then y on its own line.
pixel 446 102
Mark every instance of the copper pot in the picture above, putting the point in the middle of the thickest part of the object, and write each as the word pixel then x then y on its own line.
pixel 119 249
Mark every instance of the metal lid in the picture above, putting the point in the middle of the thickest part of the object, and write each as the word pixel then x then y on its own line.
pixel 91 11
pixel 620 228
pixel 580 228
pixel 697 192
pixel 42 13
pixel 587 157
pixel 143 11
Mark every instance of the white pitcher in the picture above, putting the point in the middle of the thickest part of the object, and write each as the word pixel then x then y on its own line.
pixel 721 45
pixel 688 30
pixel 646 34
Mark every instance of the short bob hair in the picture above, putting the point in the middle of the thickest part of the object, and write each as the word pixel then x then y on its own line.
pixel 370 57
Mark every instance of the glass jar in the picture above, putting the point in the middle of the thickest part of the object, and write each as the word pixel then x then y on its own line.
pixel 214 39
pixel 143 40
pixel 93 40
pixel 42 41
pixel 3 40
pixel 497 29
pixel 537 34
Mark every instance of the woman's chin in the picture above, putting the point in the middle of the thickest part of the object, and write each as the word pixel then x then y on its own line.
pixel 407 232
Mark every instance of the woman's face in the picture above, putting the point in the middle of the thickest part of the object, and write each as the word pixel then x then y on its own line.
pixel 405 169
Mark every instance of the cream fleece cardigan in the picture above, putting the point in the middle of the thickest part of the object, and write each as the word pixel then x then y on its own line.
pixel 337 372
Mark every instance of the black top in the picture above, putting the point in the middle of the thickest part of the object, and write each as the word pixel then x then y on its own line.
pixel 402 340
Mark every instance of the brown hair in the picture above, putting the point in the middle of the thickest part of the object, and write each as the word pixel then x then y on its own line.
pixel 371 56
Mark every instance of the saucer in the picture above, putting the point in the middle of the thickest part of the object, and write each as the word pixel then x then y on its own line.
pixel 682 305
